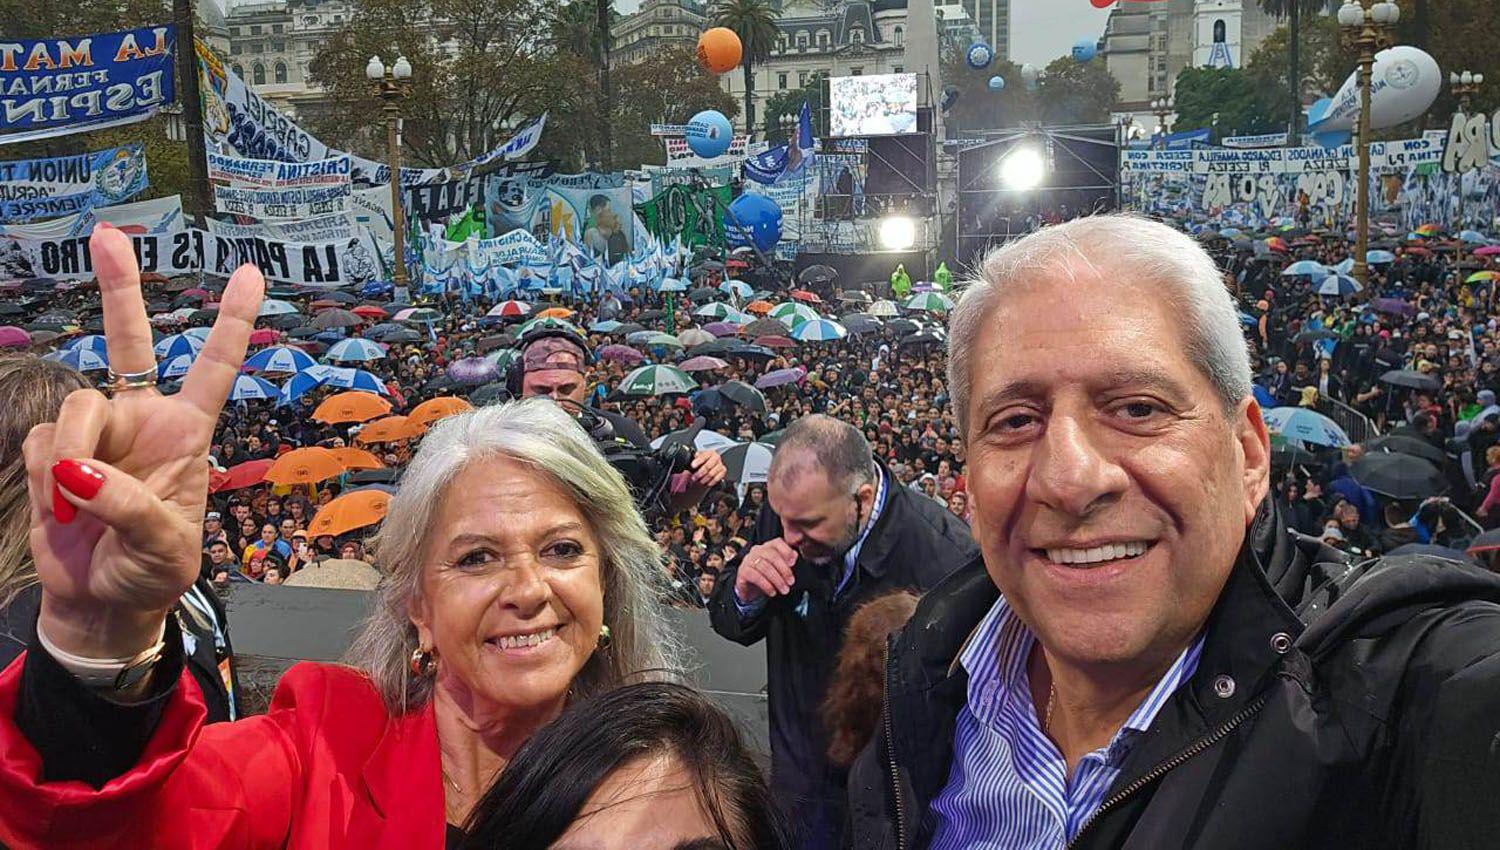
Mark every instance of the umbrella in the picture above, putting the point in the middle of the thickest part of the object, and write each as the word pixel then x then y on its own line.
pixel 1340 285
pixel 434 409
pixel 737 288
pixel 273 307
pixel 280 359
pixel 265 337
pixel 1305 426
pixel 355 349
pixel 1487 251
pixel 419 315
pixel 903 326
pixel 488 394
pixel 502 357
pixel 305 466
pixel 780 377
pixel 82 359
pixel 541 322
pixel 818 274
pixel 748 463
pixel 775 341
pixel 1398 476
pixel 716 310
pixel 1481 277
pixel 1379 256
pixel 1305 267
pixel 1286 455
pixel 1430 550
pixel 337 318
pixel 702 294
pixel 1314 336
pixel 621 354
pixel 791 312
pixel 819 330
pixel 695 336
pixel 555 313
pixel 349 512
pixel 765 327
pixel 1393 305
pixel 745 349
pixel 936 336
pixel 1489 541
pixel 175 367
pixel 248 387
pixel 855 297
pixel 1411 380
pixel 628 328
pixel 355 379
pixel 649 338
pixel 13 337
pixel 759 307
pixel 93 342
pixel 353 406
pixel 356 458
pixel 932 302
pixel 722 328
pixel 804 295
pixel 861 323
pixel 702 364
pixel 702 441
pixel 657 380
pixel 171 346
pixel 370 311
pixel 473 371
pixel 743 394
pixel 300 383
pixel 884 309
pixel 1398 444
pixel 651 315
pixel 510 309
pixel 389 430
pixel 239 476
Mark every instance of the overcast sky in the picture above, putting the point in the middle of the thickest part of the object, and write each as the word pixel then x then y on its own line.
pixel 1042 30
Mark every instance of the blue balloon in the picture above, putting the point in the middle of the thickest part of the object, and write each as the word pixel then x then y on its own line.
pixel 753 219
pixel 979 55
pixel 1084 50
pixel 997 83
pixel 709 133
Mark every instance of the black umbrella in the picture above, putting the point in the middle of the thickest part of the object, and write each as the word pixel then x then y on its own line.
pixel 903 326
pixel 1287 455
pixel 337 318
pixel 203 317
pixel 283 292
pixel 441 383
pixel 1413 446
pixel 861 323
pixel 627 329
pixel 304 332
pixel 932 337
pixel 855 297
pixel 9 309
pixel 285 321
pixel 712 349
pixel 745 349
pixel 743 394
pixel 703 294
pixel 374 476
pixel 1313 336
pixel 490 343
pixel 489 394
pixel 1411 379
pixel 765 327
pixel 648 315
pixel 341 297
pixel 708 266
pixel 818 274
pixel 1398 476
pixel 39 284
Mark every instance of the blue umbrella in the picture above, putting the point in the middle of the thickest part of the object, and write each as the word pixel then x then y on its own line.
pixel 608 326
pixel 200 334
pixel 1305 425
pixel 819 330
pixel 281 358
pixel 1262 396
pixel 1473 237
pixel 356 349
pixel 273 307
pixel 247 387
pixel 355 379
pixel 176 345
pixel 736 287
pixel 1305 267
pixel 92 342
pixel 1340 285
pixel 672 284
pixel 1377 256
pixel 82 359
pixel 299 384
pixel 1345 266
pixel 176 367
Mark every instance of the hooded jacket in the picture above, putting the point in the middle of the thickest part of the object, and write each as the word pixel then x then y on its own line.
pixel 1335 704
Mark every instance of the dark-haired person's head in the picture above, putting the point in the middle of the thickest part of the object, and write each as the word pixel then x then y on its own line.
pixel 648 765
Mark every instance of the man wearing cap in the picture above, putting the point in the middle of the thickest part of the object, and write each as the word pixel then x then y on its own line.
pixel 213 529
pixel 555 366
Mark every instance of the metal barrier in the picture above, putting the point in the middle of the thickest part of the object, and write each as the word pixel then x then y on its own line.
pixel 1357 425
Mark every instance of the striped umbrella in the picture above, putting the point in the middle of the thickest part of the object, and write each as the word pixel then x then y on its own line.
pixel 419 315
pixel 884 309
pixel 657 380
pixel 248 387
pixel 92 342
pixel 502 357
pixel 1303 425
pixel 171 346
pixel 82 359
pixel 355 349
pixel 932 302
pixel 716 310
pixel 510 309
pixel 175 367
pixel 281 359
pixel 654 338
pixel 819 330
pixel 792 312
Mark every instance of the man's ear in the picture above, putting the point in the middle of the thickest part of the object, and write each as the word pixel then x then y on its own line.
pixel 1253 443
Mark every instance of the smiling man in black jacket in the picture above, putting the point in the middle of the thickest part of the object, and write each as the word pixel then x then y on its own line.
pixel 839 531
pixel 1143 656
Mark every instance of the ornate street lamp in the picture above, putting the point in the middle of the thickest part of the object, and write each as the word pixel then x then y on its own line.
pixel 391 83
pixel 1367 26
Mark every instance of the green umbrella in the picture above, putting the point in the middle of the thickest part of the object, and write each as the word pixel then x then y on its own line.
pixel 932 302
pixel 792 313
pixel 657 380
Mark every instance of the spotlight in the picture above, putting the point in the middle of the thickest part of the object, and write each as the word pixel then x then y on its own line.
pixel 897 233
pixel 1023 169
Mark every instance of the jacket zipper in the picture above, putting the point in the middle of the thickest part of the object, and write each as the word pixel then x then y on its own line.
pixel 1171 764
pixel 890 753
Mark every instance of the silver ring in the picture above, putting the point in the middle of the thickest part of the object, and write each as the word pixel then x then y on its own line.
pixel 118 381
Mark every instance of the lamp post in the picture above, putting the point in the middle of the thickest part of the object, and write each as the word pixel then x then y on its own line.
pixel 1464 85
pixel 391 83
pixel 1367 26
pixel 1163 109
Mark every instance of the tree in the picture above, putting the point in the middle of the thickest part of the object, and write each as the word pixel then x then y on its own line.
pixel 789 103
pixel 1292 11
pixel 1229 93
pixel 1268 69
pixel 1072 92
pixel 754 21
pixel 978 108
pixel 669 87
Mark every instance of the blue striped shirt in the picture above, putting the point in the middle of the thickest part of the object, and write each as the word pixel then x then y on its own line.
pixel 1008 787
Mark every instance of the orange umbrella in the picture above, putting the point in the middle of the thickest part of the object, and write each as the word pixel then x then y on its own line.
pixel 389 430
pixel 353 406
pixel 305 466
pixel 761 307
pixel 353 458
pixel 555 313
pixel 348 512
pixel 434 409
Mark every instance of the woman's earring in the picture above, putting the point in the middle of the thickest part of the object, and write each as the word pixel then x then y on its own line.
pixel 605 638
pixel 423 662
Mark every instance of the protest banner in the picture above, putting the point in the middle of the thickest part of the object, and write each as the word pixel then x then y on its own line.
pixel 680 155
pixel 283 203
pixel 154 216
pixel 54 86
pixel 600 220
pixel 58 186
pixel 270 174
pixel 328 264
pixel 692 214
pixel 328 228
pixel 68 258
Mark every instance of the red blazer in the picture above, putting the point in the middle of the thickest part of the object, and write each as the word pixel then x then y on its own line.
pixel 327 767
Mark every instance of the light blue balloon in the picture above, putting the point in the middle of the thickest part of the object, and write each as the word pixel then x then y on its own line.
pixel 979 55
pixel 709 133
pixel 1084 50
pixel 997 83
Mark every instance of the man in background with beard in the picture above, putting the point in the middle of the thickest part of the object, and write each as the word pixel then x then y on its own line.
pixel 839 530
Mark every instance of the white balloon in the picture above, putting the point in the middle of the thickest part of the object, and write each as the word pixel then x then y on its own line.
pixel 1403 84
pixel 1028 72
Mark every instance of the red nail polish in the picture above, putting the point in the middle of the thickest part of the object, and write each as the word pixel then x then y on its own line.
pixel 62 509
pixel 78 478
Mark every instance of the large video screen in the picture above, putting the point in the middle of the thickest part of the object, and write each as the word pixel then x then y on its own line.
pixel 875 105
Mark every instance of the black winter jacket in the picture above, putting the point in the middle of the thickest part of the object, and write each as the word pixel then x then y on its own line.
pixel 1335 705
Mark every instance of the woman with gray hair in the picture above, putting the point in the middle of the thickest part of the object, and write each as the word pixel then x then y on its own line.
pixel 518 576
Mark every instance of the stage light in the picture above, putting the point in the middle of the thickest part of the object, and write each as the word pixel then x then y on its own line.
pixel 1023 169
pixel 897 233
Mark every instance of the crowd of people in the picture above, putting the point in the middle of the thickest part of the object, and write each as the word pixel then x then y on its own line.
pixel 890 483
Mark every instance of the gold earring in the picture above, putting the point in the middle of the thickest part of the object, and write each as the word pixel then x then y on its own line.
pixel 423 662
pixel 605 638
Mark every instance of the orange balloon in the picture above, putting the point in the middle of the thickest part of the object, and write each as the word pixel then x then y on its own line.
pixel 719 50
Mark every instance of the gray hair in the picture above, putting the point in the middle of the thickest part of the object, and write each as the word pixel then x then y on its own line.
pixel 543 436
pixel 1189 278
pixel 821 442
